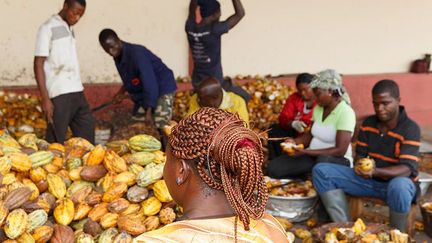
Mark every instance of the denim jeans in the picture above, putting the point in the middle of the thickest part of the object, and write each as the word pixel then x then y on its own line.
pixel 398 193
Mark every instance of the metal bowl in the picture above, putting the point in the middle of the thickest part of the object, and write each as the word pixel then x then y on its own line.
pixel 296 209
pixel 425 181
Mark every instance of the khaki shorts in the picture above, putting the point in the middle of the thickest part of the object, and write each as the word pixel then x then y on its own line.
pixel 164 109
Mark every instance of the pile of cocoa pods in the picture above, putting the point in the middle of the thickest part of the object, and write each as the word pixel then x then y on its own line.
pixel 78 192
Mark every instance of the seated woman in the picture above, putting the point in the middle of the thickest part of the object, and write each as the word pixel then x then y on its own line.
pixel 329 140
pixel 296 114
pixel 213 171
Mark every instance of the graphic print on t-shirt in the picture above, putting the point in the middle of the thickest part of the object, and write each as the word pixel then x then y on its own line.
pixel 197 47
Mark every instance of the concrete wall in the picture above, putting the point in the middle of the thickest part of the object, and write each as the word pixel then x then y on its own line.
pixel 276 36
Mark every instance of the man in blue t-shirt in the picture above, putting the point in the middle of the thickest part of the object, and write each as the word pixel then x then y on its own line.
pixel 149 82
pixel 205 41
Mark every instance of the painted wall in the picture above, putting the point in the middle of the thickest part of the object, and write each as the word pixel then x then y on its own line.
pixel 276 36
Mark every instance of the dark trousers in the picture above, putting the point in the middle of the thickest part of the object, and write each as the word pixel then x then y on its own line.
pixel 71 110
pixel 288 167
pixel 277 131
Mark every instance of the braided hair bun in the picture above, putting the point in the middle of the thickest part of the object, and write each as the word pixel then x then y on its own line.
pixel 229 158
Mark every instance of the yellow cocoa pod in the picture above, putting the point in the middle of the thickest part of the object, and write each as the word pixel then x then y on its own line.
pixel 107 181
pixel 85 157
pixel 33 188
pixel 151 206
pixel 57 147
pixel 29 141
pixel 81 211
pixel 50 168
pixel 5 165
pixel 120 147
pixel 131 209
pixel 159 157
pixel 135 168
pixel 114 163
pixel 365 164
pixel 126 177
pixel 25 238
pixel 58 161
pixel 161 191
pixel 3 212
pixel 10 241
pixel 141 158
pixel 42 234
pixel 98 211
pixel 74 174
pixel 56 186
pixel 20 162
pixel 151 223
pixel 117 190
pixel 79 142
pixel 167 215
pixel 96 155
pixel 64 212
pixel 8 141
pixel 9 178
pixel 16 223
pixel 109 220
pixel 38 174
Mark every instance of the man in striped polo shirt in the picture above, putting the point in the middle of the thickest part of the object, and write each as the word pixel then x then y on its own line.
pixel 390 138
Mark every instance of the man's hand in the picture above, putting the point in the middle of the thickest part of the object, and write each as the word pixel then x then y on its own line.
pixel 118 98
pixel 299 126
pixel 366 175
pixel 48 109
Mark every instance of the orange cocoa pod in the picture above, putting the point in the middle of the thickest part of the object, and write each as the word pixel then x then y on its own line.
pixel 131 225
pixel 38 174
pixel 42 234
pixel 117 190
pixel 98 211
pixel 96 155
pixel 109 220
pixel 118 205
pixel 113 162
pixel 81 211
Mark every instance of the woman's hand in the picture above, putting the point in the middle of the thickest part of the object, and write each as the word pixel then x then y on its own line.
pixel 299 152
pixel 290 140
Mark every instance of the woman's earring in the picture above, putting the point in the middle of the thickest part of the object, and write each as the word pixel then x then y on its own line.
pixel 178 181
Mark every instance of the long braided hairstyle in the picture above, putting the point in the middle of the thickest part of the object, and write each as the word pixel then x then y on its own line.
pixel 229 158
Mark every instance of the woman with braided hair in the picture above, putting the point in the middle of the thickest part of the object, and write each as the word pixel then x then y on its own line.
pixel 213 171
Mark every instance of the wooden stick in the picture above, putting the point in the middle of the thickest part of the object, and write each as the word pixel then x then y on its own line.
pixel 278 139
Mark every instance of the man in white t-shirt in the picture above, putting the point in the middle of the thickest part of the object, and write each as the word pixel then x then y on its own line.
pixel 57 74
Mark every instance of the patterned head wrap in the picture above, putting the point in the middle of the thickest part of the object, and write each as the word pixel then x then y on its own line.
pixel 331 80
